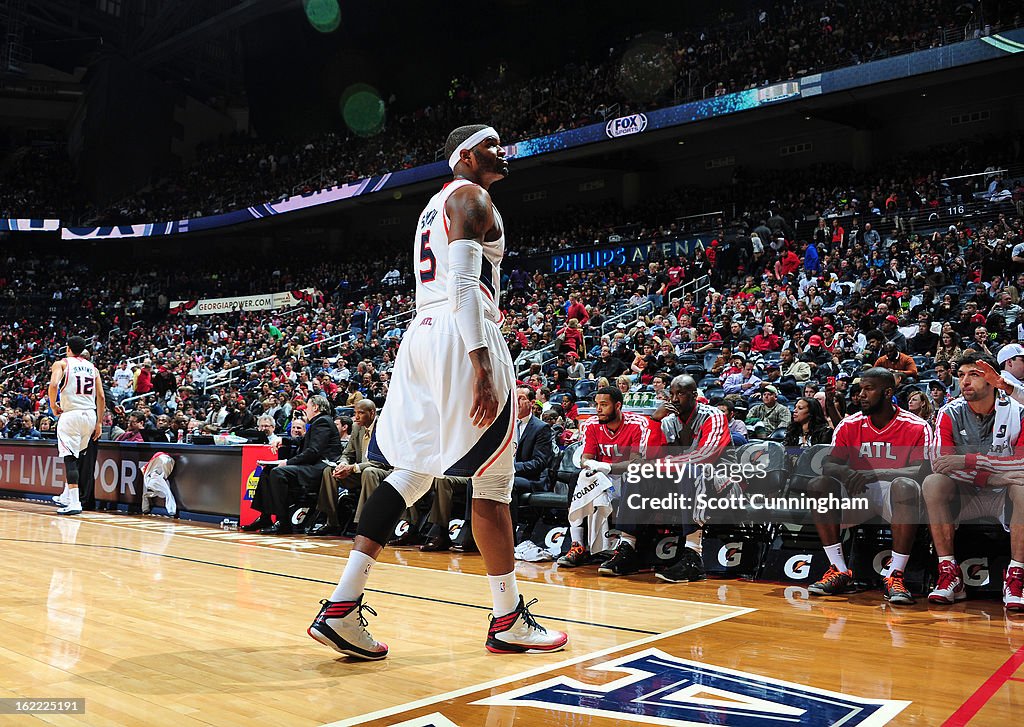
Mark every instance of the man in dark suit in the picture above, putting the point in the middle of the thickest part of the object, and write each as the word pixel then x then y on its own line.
pixel 356 473
pixel 533 451
pixel 304 471
pixel 286 447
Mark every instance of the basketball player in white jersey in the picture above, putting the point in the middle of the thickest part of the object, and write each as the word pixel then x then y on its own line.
pixel 450 406
pixel 80 412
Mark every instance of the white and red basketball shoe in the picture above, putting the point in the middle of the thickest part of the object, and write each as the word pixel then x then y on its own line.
pixel 519 633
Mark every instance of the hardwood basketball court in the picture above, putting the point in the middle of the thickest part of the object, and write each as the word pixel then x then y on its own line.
pixel 159 623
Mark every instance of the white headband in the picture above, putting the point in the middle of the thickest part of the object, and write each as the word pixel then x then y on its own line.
pixel 470 143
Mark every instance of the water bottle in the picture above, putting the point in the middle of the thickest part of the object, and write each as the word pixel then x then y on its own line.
pixel 228 524
pixel 181 436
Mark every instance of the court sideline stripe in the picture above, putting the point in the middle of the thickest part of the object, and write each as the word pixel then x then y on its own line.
pixel 204 538
pixel 317 580
pixel 973 704
pixel 426 701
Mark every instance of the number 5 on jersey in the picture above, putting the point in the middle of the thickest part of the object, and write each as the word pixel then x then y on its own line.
pixel 427 256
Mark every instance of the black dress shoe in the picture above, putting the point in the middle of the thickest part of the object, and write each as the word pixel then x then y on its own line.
pixel 325 529
pixel 410 538
pixel 436 545
pixel 277 529
pixel 257 524
pixel 465 548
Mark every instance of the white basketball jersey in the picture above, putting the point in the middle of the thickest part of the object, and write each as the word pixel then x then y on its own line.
pixel 78 390
pixel 431 252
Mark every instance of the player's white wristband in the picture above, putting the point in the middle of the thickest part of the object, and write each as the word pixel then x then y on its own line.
pixel 465 260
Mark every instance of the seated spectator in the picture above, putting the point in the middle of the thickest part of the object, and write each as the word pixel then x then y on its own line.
pixel 892 333
pixel 266 426
pixel 344 425
pixel 982 343
pixel 800 371
pixel 239 417
pixel 737 427
pixel 949 348
pixel 766 340
pixel 769 415
pixel 607 366
pixel 745 383
pixel 28 428
pixel 924 342
pixel 660 384
pixel 575 369
pixel 356 472
pixel 939 395
pixel 533 446
pixel 897 362
pixel 808 425
pixel 133 433
pixel 161 433
pixel 920 404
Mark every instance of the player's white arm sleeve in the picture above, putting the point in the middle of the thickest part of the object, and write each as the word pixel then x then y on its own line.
pixel 465 260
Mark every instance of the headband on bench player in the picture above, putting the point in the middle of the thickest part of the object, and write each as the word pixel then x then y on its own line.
pixel 470 143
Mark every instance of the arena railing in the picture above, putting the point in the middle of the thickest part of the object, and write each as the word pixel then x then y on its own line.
pixel 37 358
pixel 223 378
pixel 396 318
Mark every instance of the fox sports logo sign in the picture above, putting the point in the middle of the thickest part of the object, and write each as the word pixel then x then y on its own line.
pixel 625 125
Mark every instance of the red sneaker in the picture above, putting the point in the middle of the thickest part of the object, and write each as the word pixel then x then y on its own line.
pixel 950 587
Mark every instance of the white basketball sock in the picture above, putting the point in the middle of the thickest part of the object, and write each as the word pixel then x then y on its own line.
pixel 627 538
pixel 899 563
pixel 504 593
pixel 354 577
pixel 578 534
pixel 835 556
pixel 73 500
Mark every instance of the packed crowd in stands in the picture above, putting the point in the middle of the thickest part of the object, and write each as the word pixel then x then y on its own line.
pixel 835 291
pixel 783 43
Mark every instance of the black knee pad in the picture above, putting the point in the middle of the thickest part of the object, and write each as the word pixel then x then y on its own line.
pixel 71 469
pixel 381 514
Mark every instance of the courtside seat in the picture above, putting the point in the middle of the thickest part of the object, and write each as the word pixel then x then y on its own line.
pixel 808 466
pixel 769 458
pixel 697 371
pixel 584 388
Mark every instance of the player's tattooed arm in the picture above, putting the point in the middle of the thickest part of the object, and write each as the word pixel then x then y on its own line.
pixel 471 214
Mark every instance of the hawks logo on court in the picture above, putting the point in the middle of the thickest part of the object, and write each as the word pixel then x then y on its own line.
pixel 661 689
